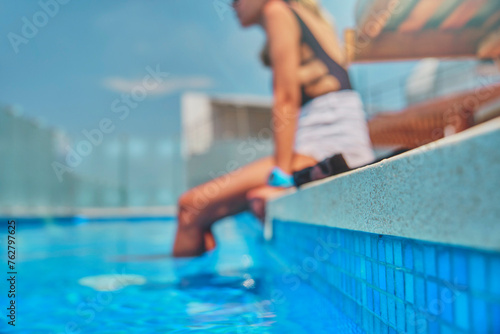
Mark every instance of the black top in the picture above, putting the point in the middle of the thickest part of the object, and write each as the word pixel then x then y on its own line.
pixel 334 68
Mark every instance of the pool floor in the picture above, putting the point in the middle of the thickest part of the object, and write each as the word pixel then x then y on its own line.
pixel 117 277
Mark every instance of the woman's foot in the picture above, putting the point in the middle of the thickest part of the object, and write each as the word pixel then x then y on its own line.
pixel 209 240
pixel 258 197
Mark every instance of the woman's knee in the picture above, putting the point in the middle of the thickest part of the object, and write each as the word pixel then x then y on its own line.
pixel 186 210
pixel 184 200
pixel 255 193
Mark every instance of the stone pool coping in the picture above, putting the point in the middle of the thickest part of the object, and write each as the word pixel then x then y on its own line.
pixel 447 191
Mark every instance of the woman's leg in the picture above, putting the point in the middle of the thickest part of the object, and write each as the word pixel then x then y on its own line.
pixel 257 199
pixel 226 195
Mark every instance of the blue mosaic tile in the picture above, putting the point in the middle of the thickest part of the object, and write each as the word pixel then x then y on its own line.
pixel 369 298
pixel 462 311
pixel 480 319
pixel 447 297
pixel 376 325
pixel 384 329
pixel 389 253
pixel 430 260
pixel 390 282
pixel 353 286
pixel 351 263
pixel 433 301
pixel 364 296
pixel 367 320
pixel 374 243
pixel 342 237
pixel 357 266
pixel 421 296
pixel 370 322
pixel 398 253
pixel 383 306
pixel 495 276
pixel 495 315
pixel 369 272
pixel 375 273
pixel 368 246
pixel 411 322
pixel 349 243
pixel 334 236
pixel 391 310
pixel 400 284
pixel 420 293
pixel 381 250
pixel 376 302
pixel 381 277
pixel 421 324
pixel 408 256
pixel 356 243
pixel 359 315
pixel 477 272
pixel 400 316
pixel 362 269
pixel 409 288
pixel 416 322
pixel 433 327
pixel 362 244
pixel 447 330
pixel 444 265
pixel 359 293
pixel 335 259
pixel 418 259
pixel 460 268
pixel 354 263
pixel 335 277
pixel 343 283
pixel 344 261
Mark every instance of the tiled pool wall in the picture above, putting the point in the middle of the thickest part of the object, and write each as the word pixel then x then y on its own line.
pixel 389 284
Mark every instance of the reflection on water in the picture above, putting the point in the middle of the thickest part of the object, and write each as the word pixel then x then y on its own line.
pixel 238 288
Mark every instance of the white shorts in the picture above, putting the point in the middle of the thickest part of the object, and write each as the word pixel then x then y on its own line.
pixel 334 123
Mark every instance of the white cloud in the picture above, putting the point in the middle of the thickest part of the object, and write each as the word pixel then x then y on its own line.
pixel 168 86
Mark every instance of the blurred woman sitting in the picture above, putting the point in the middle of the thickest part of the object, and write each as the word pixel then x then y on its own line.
pixel 316 114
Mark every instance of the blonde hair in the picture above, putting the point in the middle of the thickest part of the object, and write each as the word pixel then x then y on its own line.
pixel 312 6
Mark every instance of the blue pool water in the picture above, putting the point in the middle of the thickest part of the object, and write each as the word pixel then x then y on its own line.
pixel 243 286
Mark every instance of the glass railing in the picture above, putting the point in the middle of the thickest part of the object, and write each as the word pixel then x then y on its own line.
pixel 41 168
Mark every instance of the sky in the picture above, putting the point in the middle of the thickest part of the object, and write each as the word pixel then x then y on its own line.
pixel 71 70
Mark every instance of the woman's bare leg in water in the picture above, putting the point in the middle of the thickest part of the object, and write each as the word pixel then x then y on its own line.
pixel 226 195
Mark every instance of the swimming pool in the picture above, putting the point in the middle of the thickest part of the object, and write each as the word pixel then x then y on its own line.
pixel 114 277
